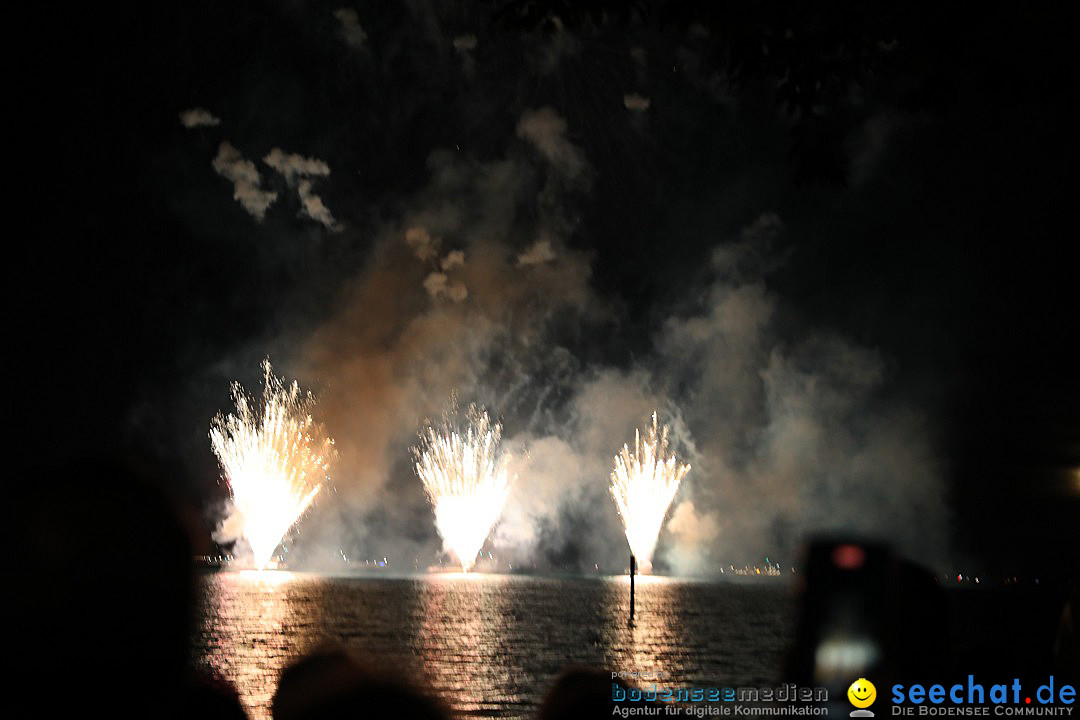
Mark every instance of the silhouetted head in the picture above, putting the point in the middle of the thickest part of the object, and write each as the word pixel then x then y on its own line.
pixel 331 683
pixel 110 593
pixel 1066 641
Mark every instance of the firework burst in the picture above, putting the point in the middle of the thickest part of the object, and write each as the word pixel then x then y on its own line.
pixel 643 484
pixel 274 457
pixel 465 477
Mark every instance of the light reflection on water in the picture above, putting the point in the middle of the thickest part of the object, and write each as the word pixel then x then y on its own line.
pixel 490 645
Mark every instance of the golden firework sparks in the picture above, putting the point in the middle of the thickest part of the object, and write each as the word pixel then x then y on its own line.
pixel 643 484
pixel 275 458
pixel 465 477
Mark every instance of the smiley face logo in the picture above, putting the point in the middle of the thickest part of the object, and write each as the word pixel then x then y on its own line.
pixel 862 693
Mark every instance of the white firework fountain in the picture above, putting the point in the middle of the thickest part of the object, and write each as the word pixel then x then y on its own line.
pixel 643 484
pixel 274 458
pixel 465 476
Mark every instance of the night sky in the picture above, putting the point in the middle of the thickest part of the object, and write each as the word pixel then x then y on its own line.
pixel 847 230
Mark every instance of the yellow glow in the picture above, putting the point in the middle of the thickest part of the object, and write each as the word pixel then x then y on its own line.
pixel 462 575
pixel 644 580
pixel 643 484
pixel 465 476
pixel 264 577
pixel 274 462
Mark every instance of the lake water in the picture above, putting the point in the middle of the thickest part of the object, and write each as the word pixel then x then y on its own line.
pixel 491 645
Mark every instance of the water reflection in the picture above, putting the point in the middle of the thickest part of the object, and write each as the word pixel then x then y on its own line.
pixel 474 665
pixel 651 645
pixel 697 634
pixel 491 645
pixel 253 624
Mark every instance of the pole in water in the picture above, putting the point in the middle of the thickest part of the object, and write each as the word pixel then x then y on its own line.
pixel 633 571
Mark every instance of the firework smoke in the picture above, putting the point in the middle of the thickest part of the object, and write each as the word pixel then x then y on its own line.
pixel 643 484
pixel 275 459
pixel 465 477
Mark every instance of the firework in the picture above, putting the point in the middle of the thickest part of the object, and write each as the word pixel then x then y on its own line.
pixel 465 476
pixel 275 458
pixel 643 484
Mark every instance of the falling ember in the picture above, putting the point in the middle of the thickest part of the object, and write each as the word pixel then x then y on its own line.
pixel 465 476
pixel 643 484
pixel 275 459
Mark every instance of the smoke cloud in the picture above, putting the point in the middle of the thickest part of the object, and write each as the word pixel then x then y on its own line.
pixel 351 31
pixel 293 166
pixel 244 176
pixel 538 253
pixel 296 169
pixel 465 43
pixel 546 130
pixel 312 206
pixel 475 288
pixel 792 434
pixel 198 117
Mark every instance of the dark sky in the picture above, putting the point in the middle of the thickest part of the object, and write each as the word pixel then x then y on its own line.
pixel 920 162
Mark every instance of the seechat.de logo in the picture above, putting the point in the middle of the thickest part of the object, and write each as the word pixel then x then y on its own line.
pixel 974 698
pixel 861 694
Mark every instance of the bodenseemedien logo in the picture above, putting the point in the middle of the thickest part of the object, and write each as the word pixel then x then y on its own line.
pixel 861 694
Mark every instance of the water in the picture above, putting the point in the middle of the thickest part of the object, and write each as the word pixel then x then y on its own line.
pixel 490 645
